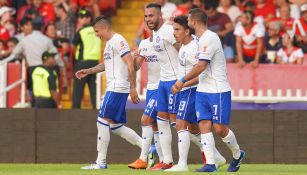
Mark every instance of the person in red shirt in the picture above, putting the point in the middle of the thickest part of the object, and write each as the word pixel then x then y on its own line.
pixel 285 19
pixel 183 8
pixel 265 9
pixel 45 9
pixel 300 29
pixel 4 34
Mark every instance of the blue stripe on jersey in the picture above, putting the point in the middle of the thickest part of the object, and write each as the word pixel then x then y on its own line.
pixel 125 54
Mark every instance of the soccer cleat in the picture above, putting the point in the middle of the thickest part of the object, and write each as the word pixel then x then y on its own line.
pixel 94 166
pixel 220 162
pixel 207 168
pixel 234 166
pixel 151 156
pixel 161 166
pixel 178 168
pixel 138 164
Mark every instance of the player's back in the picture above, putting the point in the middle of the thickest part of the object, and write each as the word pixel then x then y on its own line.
pixel 147 51
pixel 115 67
pixel 163 41
pixel 214 78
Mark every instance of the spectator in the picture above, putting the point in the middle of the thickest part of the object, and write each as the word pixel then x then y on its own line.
pixel 251 6
pixel 66 23
pixel 300 28
pixel 21 12
pixel 2 49
pixel 294 9
pixel 221 24
pixel 45 83
pixel 183 8
pixel 45 9
pixel 198 4
pixel 249 40
pixel 26 28
pixel 51 32
pixel 265 9
pixel 273 41
pixel 7 19
pixel 285 19
pixel 87 55
pixel 167 8
pixel 11 44
pixel 4 34
pixel 289 54
pixel 231 10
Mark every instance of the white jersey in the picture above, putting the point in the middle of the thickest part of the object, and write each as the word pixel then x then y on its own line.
pixel 292 57
pixel 187 59
pixel 147 52
pixel 115 67
pixel 214 78
pixel 163 41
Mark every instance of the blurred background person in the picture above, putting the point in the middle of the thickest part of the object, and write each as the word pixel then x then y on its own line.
pixel 294 8
pixel 198 4
pixel 300 29
pixel 7 20
pixel 273 41
pixel 183 8
pixel 265 9
pixel 228 7
pixel 66 22
pixel 289 54
pixel 26 27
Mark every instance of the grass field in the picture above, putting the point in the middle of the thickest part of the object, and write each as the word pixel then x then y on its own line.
pixel 74 169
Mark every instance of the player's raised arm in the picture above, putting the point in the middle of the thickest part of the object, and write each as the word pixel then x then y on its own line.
pixel 132 76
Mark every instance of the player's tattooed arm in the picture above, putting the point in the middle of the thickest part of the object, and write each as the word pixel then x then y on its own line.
pixel 98 68
pixel 138 60
pixel 132 76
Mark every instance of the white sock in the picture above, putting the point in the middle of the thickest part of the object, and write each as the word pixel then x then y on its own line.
pixel 158 145
pixel 146 141
pixel 232 144
pixel 195 138
pixel 217 154
pixel 183 146
pixel 127 133
pixel 208 143
pixel 165 135
pixel 103 140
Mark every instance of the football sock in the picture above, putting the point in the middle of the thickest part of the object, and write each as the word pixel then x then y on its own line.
pixel 196 139
pixel 127 133
pixel 183 146
pixel 208 143
pixel 103 140
pixel 147 135
pixel 231 141
pixel 158 146
pixel 165 139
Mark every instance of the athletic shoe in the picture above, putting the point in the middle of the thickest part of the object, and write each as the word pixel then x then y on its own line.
pixel 234 166
pixel 151 156
pixel 207 168
pixel 94 166
pixel 138 164
pixel 220 162
pixel 177 168
pixel 161 166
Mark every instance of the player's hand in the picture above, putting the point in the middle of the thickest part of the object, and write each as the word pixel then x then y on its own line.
pixel 177 87
pixel 255 64
pixel 241 64
pixel 134 96
pixel 81 73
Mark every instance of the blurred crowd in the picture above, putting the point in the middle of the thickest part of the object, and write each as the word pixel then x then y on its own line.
pixel 252 31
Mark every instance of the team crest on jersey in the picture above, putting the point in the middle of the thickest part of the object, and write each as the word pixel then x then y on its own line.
pixel 122 44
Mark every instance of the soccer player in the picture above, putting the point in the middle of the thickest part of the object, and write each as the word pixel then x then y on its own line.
pixel 147 53
pixel 213 96
pixel 186 122
pixel 120 74
pixel 167 52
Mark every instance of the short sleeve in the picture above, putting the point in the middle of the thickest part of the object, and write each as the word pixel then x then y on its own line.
pixel 238 30
pixel 260 31
pixel 168 34
pixel 206 51
pixel 122 47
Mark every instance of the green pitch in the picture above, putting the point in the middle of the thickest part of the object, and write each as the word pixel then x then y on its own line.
pixel 74 169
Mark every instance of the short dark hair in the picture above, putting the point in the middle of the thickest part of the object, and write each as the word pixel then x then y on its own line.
pixel 211 4
pixel 101 19
pixel 199 15
pixel 250 14
pixel 153 5
pixel 183 21
pixel 13 40
pixel 25 21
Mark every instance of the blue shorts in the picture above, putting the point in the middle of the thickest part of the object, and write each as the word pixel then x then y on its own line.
pixel 151 103
pixel 213 106
pixel 114 106
pixel 167 102
pixel 186 109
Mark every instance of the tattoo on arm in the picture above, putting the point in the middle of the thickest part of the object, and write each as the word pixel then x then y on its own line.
pixel 98 68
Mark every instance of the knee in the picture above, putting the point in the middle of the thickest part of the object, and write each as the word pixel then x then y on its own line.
pixel 180 125
pixel 146 120
pixel 221 130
